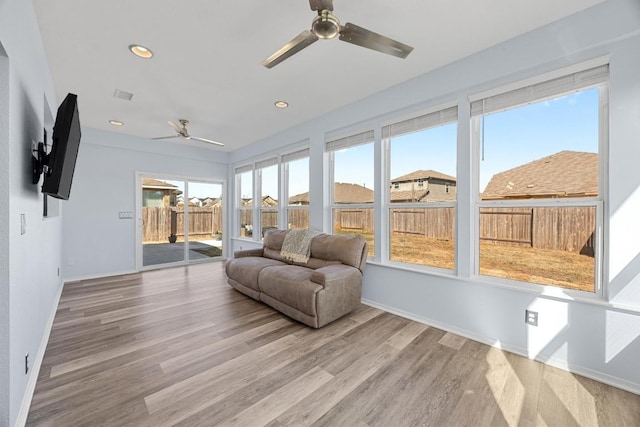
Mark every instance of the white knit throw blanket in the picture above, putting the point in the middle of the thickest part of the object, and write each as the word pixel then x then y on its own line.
pixel 296 246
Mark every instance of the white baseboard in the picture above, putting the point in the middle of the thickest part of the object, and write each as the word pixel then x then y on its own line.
pixel 99 276
pixel 617 382
pixel 21 420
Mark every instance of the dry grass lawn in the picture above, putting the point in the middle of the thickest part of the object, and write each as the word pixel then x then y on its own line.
pixel 544 266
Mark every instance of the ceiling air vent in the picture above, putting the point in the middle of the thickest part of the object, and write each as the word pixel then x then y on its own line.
pixel 121 94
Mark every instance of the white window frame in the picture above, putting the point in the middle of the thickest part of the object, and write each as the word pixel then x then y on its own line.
pixel 525 94
pixel 285 206
pixel 238 208
pixel 259 209
pixel 435 117
pixel 333 144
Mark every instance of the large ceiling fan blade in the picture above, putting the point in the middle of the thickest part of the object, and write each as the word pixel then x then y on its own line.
pixel 167 137
pixel 321 5
pixel 176 126
pixel 207 140
pixel 354 34
pixel 301 41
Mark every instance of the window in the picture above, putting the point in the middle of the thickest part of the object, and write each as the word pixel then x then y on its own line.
pixel 352 185
pixel 540 186
pixel 421 156
pixel 268 183
pixel 296 171
pixel 244 201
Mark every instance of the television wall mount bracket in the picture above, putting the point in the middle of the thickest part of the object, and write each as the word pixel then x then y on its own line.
pixel 39 162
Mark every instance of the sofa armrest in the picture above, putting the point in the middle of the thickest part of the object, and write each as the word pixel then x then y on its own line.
pixel 248 252
pixel 336 275
pixel 341 292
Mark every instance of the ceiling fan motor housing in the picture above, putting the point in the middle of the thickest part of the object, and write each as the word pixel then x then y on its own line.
pixel 325 25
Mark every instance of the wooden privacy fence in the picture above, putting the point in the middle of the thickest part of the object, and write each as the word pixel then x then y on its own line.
pixel 561 228
pixel 437 223
pixel 353 220
pixel 565 228
pixel 156 223
pixel 298 218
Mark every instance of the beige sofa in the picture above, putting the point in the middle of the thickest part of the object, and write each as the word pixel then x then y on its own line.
pixel 317 292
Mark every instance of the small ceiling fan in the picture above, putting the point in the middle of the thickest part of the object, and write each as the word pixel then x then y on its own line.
pixel 181 131
pixel 327 26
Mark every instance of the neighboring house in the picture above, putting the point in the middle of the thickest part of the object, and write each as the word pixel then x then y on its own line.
pixel 269 202
pixel 423 186
pixel 210 201
pixel 352 193
pixel 564 174
pixel 343 193
pixel 299 199
pixel 158 194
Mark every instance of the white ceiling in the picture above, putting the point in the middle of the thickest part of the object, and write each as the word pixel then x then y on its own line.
pixel 207 67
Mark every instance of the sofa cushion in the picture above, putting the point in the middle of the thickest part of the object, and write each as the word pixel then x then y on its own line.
pixel 345 248
pixel 326 249
pixel 273 239
pixel 316 263
pixel 245 270
pixel 291 285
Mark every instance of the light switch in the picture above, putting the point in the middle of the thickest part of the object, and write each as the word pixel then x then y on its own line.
pixel 23 224
pixel 125 215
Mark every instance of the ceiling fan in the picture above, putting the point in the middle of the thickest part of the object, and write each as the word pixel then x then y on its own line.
pixel 181 131
pixel 327 26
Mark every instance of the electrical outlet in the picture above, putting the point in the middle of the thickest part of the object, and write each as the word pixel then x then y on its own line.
pixel 531 317
pixel 26 364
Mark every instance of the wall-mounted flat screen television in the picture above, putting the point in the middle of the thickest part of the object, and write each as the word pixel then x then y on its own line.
pixel 61 162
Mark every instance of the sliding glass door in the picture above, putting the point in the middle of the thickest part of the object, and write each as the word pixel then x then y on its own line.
pixel 180 221
pixel 203 220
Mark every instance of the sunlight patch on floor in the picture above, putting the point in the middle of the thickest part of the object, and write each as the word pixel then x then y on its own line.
pixel 505 385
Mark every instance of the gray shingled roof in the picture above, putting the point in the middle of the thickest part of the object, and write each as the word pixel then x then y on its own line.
pixel 564 174
pixel 424 174
pixel 344 193
pixel 407 196
pixel 155 183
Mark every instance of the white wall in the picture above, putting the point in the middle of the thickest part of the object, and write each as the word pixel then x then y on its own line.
pixel 594 339
pixel 599 338
pixel 29 281
pixel 4 244
pixel 96 241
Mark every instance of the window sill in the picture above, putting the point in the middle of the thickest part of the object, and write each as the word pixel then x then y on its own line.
pixel 547 292
pixel 246 239
pixel 416 268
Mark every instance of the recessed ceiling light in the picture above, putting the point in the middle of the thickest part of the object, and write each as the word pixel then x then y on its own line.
pixel 141 51
pixel 281 104
pixel 116 122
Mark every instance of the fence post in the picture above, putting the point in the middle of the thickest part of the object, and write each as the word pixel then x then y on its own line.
pixel 174 221
pixel 531 222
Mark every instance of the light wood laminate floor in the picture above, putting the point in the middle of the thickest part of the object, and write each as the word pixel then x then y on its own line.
pixel 180 347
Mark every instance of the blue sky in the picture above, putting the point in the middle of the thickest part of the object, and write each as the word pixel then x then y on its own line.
pixel 511 138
